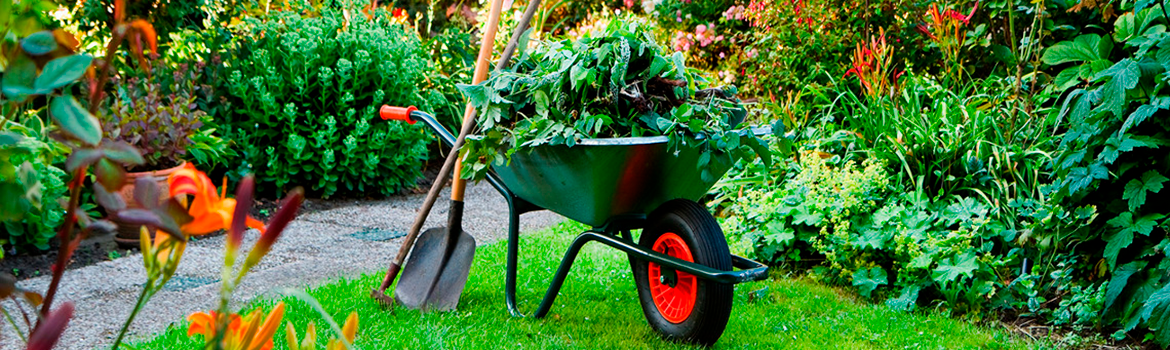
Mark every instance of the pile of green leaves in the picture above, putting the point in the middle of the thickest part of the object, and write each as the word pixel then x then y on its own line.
pixel 303 91
pixel 1115 155
pixel 613 83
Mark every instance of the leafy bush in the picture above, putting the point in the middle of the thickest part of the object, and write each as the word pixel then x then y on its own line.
pixel 1114 155
pixel 27 156
pixel 158 116
pixel 908 248
pixel 38 63
pixel 304 90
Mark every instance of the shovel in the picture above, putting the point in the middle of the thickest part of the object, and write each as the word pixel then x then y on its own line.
pixel 434 277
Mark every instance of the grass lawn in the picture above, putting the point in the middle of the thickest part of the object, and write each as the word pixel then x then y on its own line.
pixel 598 308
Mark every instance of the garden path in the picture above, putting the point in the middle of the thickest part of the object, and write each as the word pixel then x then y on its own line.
pixel 316 248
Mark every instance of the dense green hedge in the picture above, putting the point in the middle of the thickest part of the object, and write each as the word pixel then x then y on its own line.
pixel 303 91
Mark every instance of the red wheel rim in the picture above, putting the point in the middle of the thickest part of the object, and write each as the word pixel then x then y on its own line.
pixel 675 303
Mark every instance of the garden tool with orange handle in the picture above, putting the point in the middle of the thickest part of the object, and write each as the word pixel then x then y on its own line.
pixel 434 277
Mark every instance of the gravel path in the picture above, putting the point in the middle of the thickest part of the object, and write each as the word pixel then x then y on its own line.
pixel 315 248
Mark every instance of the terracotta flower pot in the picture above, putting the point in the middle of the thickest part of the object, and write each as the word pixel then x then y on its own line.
pixel 127 235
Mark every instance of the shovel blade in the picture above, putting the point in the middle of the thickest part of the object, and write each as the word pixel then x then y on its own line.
pixel 432 280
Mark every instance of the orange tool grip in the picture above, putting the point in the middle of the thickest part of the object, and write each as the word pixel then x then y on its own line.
pixel 397 113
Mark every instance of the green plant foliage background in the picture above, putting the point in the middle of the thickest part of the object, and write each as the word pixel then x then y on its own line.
pixel 304 95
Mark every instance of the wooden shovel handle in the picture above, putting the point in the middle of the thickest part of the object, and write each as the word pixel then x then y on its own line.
pixel 482 63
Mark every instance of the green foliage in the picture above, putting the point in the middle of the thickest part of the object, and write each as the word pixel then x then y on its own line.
pixel 611 83
pixel 35 89
pixel 1114 153
pixel 31 185
pixel 304 92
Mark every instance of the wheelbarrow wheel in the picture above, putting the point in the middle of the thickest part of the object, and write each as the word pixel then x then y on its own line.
pixel 677 304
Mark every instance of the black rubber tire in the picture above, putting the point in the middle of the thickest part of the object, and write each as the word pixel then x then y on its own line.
pixel 691 222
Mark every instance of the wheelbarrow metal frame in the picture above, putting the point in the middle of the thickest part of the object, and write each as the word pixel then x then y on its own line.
pixel 615 232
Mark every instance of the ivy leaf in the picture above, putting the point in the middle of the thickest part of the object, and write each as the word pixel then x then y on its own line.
pixel 951 268
pixel 1122 76
pixel 866 280
pixel 1135 190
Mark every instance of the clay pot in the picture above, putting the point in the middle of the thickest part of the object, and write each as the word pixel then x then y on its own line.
pixel 127 234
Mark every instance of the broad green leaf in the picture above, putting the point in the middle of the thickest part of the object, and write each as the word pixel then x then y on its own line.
pixel 39 43
pixel 951 268
pixel 75 120
pixel 540 98
pixel 1065 79
pixel 13 205
pixel 1138 116
pixel 1143 4
pixel 1084 48
pixel 9 138
pixel 805 215
pixel 62 71
pixel 1120 279
pixel 32 184
pixel 866 280
pixel 5 17
pixel 18 80
pixel 1123 76
pixel 907 301
pixel 1114 244
pixel 1156 312
pixel 577 75
pixel 1135 190
pixel 1143 225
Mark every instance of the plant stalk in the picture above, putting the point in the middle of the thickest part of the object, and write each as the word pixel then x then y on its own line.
pixel 65 234
pixel 142 298
pixel 13 323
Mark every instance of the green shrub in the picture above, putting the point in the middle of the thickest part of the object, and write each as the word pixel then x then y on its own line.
pixel 855 225
pixel 26 167
pixel 1114 155
pixel 303 92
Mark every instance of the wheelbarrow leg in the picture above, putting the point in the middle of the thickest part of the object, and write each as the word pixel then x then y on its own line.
pixel 513 253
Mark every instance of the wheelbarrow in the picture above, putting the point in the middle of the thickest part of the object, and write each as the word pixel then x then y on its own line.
pixel 684 272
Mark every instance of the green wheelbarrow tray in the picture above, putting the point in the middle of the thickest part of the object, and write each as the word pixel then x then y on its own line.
pixel 612 185
pixel 597 180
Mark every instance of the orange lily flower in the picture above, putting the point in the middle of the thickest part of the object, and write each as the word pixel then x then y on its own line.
pixel 252 332
pixel 210 211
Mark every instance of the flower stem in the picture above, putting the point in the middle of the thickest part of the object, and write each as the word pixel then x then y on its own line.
pixel 142 299
pixel 13 323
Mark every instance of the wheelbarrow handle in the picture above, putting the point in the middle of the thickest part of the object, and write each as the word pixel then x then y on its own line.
pixel 411 115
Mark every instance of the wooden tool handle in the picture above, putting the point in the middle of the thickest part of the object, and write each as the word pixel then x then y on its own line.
pixel 481 71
